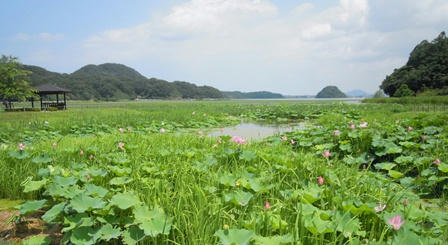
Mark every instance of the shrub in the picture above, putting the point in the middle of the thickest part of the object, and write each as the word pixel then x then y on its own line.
pixel 403 91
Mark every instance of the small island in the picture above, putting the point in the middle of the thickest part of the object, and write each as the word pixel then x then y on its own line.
pixel 330 92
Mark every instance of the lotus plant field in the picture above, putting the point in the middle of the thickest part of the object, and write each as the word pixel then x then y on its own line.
pixel 148 173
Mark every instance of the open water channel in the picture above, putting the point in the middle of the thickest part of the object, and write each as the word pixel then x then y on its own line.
pixel 255 131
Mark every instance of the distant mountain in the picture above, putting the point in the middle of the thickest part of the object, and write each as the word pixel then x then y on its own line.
pixel 330 92
pixel 357 93
pixel 116 81
pixel 251 95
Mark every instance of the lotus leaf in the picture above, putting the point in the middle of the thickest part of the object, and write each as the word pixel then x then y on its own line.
pixel 31 206
pixel 239 197
pixel 125 200
pixel 54 212
pixel 235 236
pixel 35 185
pixel 37 240
pixel 82 202
pixel 120 181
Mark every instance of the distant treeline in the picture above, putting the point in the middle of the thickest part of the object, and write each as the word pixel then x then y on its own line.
pixel 115 82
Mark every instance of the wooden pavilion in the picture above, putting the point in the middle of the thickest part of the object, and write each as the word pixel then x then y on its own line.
pixel 49 89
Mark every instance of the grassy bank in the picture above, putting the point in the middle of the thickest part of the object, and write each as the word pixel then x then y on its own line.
pixel 419 100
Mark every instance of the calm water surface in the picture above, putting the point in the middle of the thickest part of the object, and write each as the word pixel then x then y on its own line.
pixel 254 131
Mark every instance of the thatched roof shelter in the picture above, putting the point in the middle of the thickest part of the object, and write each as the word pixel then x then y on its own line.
pixel 49 89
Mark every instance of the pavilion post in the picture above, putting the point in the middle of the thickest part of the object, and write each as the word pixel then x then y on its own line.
pixel 65 103
pixel 32 102
pixel 57 98
pixel 41 106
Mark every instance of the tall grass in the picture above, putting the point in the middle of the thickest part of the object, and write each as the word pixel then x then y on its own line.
pixel 418 100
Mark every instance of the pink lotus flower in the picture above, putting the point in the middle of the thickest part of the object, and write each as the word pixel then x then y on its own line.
pixel 129 129
pixel 88 176
pixel 352 126
pixel 336 132
pixel 238 140
pixel 320 180
pixel 396 222
pixel 326 154
pixel 162 130
pixel 437 161
pixel 120 145
pixel 91 156
pixel 363 125
pixel 121 130
pixel 331 164
pixel 380 207
pixel 410 128
pixel 21 146
pixel 54 144
pixel 267 206
pixel 292 141
pixel 405 202
pixel 284 138
pixel 81 152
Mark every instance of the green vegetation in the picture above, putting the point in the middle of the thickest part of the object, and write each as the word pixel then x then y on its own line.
pixel 379 94
pixel 419 100
pixel 13 84
pixel 252 95
pixel 403 91
pixel 331 92
pixel 426 70
pixel 118 82
pixel 359 174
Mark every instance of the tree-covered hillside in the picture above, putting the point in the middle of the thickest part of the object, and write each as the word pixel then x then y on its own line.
pixel 115 81
pixel 331 92
pixel 426 69
pixel 251 95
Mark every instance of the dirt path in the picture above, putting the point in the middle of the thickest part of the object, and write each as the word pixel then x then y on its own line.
pixel 31 226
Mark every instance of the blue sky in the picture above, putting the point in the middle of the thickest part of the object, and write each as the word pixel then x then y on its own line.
pixel 286 46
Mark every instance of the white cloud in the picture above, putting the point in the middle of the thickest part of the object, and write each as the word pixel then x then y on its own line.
pixel 21 37
pixel 48 37
pixel 251 45
pixel 210 15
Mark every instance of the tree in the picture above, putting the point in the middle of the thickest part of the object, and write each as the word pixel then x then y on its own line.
pixel 403 91
pixel 379 94
pixel 13 84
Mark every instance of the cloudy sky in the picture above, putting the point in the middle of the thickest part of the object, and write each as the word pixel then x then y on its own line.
pixel 288 46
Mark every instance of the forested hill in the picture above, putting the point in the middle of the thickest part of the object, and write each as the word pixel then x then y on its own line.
pixel 330 92
pixel 115 81
pixel 251 95
pixel 425 72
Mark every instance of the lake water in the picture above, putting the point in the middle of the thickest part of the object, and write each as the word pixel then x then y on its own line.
pixel 254 131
